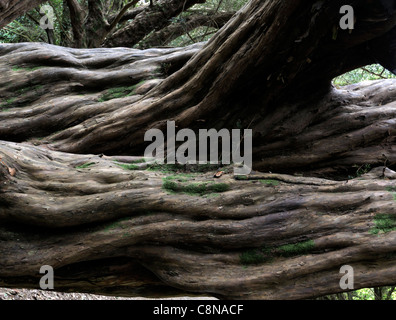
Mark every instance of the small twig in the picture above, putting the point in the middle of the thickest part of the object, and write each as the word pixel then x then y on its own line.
pixel 373 73
pixel 207 28
pixel 121 14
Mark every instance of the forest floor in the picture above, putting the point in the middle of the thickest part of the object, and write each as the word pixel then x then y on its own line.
pixel 28 294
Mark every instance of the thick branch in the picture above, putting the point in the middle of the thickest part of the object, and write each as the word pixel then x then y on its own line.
pixel 120 15
pixel 129 15
pixel 152 18
pixel 77 17
pixel 191 22
pixel 10 10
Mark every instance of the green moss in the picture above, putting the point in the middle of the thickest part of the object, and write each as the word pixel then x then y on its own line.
pixel 218 187
pixel 170 186
pixel 111 226
pixel 392 190
pixel 181 177
pixel 85 165
pixel 120 92
pixel 177 168
pixel 383 223
pixel 241 177
pixel 198 188
pixel 7 103
pixel 116 224
pixel 142 160
pixel 165 168
pixel 255 256
pixel 16 68
pixel 194 189
pixel 269 182
pixel 266 254
pixel 115 93
pixel 296 249
pixel 128 166
pixel 28 89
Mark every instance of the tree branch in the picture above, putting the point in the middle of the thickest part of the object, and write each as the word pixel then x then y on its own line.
pixel 14 8
pixel 121 14
pixel 151 18
pixel 185 25
pixel 77 16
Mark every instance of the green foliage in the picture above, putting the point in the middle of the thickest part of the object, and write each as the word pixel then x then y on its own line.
pixel 381 293
pixel 371 72
pixel 360 170
pixel 27 27
pixel 204 33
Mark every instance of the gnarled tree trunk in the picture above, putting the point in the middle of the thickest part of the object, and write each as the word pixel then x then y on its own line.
pixel 73 197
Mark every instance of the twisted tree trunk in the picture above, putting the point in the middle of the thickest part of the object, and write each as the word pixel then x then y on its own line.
pixel 76 195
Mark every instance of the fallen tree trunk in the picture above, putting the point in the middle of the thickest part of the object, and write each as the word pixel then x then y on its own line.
pixel 76 195
pixel 161 235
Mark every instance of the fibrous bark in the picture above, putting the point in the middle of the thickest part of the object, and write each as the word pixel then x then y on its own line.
pixel 75 194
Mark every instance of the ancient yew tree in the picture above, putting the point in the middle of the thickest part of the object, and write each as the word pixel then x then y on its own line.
pixel 76 195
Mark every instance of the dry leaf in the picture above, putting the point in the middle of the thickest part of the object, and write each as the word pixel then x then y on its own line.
pixel 218 174
pixel 12 171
